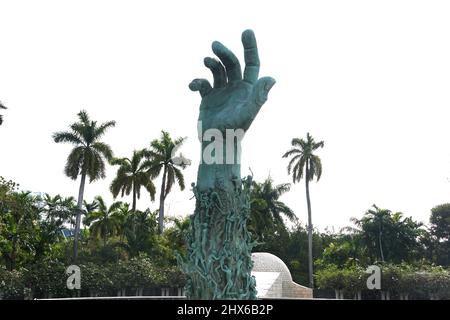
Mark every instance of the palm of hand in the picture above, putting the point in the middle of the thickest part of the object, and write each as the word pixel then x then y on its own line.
pixel 234 101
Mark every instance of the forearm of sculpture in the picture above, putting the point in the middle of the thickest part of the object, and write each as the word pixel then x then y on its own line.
pixel 225 175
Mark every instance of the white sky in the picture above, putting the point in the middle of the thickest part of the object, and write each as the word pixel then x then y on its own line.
pixel 370 78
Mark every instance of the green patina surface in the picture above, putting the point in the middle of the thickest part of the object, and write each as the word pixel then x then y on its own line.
pixel 218 265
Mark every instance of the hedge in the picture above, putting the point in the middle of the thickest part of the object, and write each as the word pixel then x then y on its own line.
pixel 48 280
pixel 402 280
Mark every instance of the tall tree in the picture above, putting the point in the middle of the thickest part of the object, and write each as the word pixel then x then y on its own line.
pixel 87 158
pixel 440 221
pixel 375 221
pixel 145 236
pixel 266 208
pixel 440 231
pixel 105 221
pixel 161 159
pixel 304 163
pixel 131 176
pixel 389 236
pixel 19 217
pixel 1 117
pixel 58 210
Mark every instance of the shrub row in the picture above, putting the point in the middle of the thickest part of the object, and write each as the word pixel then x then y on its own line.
pixel 48 280
pixel 400 280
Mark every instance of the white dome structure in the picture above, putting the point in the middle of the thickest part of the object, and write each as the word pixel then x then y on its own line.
pixel 273 278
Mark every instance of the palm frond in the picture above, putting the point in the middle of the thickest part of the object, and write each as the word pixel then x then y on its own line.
pixel 100 130
pixel 291 162
pixel 180 178
pixel 83 116
pixel 74 162
pixel 70 137
pixel 150 187
pixel 104 149
pixel 291 152
pixel 170 180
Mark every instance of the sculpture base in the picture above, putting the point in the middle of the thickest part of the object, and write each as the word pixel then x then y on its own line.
pixel 218 264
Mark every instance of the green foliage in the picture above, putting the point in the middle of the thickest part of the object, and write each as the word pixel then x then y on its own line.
pixel 440 234
pixel 303 160
pixel 131 176
pixel 434 282
pixel 105 221
pixel 291 246
pixel 89 153
pixel 19 227
pixel 96 279
pixel 144 237
pixel 440 221
pixel 422 281
pixel 140 272
pixel 389 236
pixel 12 284
pixel 176 236
pixel 267 210
pixel 331 277
pixel 47 279
pixel 160 160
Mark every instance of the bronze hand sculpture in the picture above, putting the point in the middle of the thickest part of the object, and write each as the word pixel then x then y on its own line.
pixel 218 264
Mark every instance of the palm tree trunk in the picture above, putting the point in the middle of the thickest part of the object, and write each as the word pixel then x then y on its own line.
pixel 133 211
pixel 381 247
pixel 161 201
pixel 134 198
pixel 310 229
pixel 78 219
pixel 105 229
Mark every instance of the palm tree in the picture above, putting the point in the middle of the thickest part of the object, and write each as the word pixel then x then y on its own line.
pixel 131 176
pixel 58 210
pixel 105 221
pixel 125 220
pixel 160 157
pixel 87 158
pixel 1 107
pixel 393 236
pixel 304 160
pixel 145 236
pixel 379 218
pixel 266 208
pixel 90 207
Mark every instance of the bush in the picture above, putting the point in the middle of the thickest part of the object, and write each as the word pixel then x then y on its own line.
pixel 354 279
pixel 331 277
pixel 432 282
pixel 47 279
pixel 96 279
pixel 11 284
pixel 174 277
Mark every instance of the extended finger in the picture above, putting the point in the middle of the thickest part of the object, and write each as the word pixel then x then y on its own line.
pixel 251 56
pixel 201 85
pixel 218 71
pixel 229 60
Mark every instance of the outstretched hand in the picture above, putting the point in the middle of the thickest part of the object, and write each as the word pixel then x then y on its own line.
pixel 234 100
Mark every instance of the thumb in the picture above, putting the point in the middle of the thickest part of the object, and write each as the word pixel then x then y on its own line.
pixel 261 90
pixel 257 99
